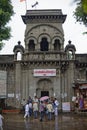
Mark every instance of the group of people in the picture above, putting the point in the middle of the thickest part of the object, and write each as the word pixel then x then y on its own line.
pixel 35 107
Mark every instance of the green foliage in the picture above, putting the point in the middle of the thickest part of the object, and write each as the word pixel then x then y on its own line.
pixel 80 11
pixel 84 6
pixel 1 45
pixel 80 15
pixel 6 11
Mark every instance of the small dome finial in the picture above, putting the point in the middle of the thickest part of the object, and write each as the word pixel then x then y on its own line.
pixel 69 41
pixel 19 42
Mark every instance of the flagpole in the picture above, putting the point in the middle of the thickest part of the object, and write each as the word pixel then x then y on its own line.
pixel 34 5
pixel 26 5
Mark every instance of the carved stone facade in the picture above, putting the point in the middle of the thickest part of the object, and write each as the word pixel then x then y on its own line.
pixel 44 67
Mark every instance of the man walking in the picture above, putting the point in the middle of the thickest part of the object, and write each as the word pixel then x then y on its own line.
pixel 26 110
pixel 56 104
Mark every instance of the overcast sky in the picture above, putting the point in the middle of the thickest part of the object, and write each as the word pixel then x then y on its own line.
pixel 72 30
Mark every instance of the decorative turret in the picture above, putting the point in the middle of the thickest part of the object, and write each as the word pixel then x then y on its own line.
pixel 70 50
pixel 18 49
pixel 70 47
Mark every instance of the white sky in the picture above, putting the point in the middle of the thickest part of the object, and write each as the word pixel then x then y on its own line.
pixel 72 30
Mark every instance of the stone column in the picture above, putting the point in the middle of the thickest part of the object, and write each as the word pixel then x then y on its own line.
pixel 72 78
pixel 27 84
pixel 17 84
pixel 23 96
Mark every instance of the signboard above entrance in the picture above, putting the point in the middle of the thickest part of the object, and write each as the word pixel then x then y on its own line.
pixel 44 72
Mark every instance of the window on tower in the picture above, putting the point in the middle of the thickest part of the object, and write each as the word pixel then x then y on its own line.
pixel 44 45
pixel 31 45
pixel 57 45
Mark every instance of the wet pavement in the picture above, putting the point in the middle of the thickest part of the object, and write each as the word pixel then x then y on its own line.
pixel 66 121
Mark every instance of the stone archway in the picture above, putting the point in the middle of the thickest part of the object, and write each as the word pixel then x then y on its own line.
pixel 44 88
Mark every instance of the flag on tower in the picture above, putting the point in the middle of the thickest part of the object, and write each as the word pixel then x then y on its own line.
pixel 35 4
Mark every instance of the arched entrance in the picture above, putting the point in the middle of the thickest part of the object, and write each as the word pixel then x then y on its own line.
pixel 44 88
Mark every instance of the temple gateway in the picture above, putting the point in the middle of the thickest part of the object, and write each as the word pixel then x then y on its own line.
pixel 44 67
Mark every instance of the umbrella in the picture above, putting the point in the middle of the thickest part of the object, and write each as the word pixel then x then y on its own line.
pixel 44 98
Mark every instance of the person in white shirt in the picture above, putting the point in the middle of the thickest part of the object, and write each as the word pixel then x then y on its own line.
pixel 1 122
pixel 56 104
pixel 26 110
pixel 35 109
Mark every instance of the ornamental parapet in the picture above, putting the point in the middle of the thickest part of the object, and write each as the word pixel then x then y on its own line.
pixel 44 56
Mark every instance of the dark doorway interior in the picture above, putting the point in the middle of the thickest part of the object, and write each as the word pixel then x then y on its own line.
pixel 44 93
pixel 2 103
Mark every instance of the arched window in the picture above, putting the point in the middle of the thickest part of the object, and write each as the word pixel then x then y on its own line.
pixel 31 45
pixel 19 56
pixel 44 46
pixel 57 45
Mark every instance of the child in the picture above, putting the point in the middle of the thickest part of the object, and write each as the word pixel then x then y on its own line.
pixel 1 123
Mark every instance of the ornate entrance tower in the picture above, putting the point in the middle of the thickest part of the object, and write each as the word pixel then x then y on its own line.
pixel 44 48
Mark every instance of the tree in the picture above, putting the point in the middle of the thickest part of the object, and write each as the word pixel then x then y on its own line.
pixel 84 5
pixel 81 11
pixel 6 11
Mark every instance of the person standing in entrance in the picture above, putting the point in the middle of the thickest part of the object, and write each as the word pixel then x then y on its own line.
pixel 1 122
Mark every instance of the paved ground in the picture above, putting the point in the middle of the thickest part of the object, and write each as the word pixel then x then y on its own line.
pixel 62 122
